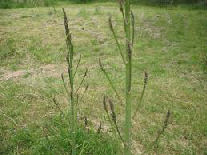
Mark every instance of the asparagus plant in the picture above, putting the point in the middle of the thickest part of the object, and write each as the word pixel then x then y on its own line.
pixel 72 92
pixel 129 26
pixel 126 56
pixel 128 122
pixel 127 60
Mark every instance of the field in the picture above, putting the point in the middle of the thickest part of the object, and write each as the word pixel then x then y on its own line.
pixel 170 44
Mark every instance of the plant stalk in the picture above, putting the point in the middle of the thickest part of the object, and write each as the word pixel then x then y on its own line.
pixel 128 123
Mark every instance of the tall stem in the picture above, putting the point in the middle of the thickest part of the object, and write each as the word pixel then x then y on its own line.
pixel 73 115
pixel 128 124
pixel 71 80
pixel 73 111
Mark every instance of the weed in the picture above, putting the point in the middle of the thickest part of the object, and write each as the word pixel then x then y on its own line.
pixel 73 96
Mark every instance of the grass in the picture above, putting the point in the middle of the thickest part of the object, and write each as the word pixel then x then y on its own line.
pixel 33 132
pixel 170 44
pixel 6 4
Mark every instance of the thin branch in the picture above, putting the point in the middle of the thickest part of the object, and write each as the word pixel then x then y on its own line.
pixel 109 79
pixel 133 27
pixel 86 88
pixel 165 124
pixel 113 116
pixel 161 132
pixel 117 42
pixel 79 60
pixel 142 95
pixel 112 119
pixel 57 105
pixel 84 76
pixel 64 84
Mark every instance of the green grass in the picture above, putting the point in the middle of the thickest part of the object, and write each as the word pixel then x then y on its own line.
pixel 7 4
pixel 170 45
pixel 27 129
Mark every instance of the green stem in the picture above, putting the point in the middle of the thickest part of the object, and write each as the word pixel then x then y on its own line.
pixel 128 124
pixel 73 122
pixel 73 114
pixel 73 111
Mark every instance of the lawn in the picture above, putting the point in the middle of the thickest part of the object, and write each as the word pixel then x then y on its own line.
pixel 170 44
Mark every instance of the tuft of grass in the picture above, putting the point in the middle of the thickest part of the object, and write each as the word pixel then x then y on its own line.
pixel 53 137
pixel 88 142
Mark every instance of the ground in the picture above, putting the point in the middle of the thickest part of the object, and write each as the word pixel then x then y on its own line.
pixel 170 44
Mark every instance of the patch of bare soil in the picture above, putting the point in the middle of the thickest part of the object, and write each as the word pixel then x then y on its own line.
pixel 49 70
pixel 7 75
pixel 52 70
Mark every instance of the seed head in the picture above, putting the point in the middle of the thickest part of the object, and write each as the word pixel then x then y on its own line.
pixel 105 105
pixel 113 114
pixel 145 78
